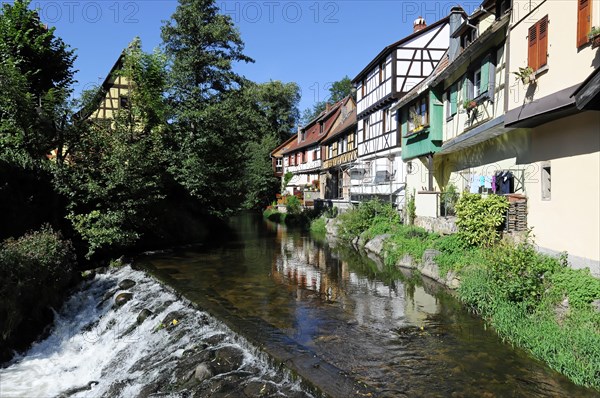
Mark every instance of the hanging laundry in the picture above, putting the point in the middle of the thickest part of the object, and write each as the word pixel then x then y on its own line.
pixel 474 184
pixel 488 182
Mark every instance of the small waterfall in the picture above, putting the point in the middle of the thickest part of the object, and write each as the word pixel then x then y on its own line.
pixel 100 349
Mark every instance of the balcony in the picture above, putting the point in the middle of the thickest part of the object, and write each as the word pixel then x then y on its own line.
pixel 344 158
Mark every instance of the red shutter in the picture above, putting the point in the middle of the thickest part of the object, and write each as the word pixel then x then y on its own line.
pixel 584 23
pixel 532 56
pixel 543 42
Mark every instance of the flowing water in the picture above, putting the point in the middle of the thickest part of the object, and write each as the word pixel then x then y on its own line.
pixel 326 314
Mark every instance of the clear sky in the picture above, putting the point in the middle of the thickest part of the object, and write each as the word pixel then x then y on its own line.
pixel 312 43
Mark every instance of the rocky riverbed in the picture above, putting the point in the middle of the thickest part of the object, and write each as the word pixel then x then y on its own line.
pixel 125 335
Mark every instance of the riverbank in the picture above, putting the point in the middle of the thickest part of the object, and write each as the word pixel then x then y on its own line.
pixel 533 301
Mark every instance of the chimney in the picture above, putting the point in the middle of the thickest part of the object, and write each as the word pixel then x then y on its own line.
pixel 327 107
pixel 456 19
pixel 299 134
pixel 419 24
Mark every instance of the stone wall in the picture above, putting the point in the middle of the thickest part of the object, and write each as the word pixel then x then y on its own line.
pixel 440 225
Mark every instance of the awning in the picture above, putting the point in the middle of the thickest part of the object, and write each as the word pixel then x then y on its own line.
pixel 587 95
pixel 543 110
pixel 477 135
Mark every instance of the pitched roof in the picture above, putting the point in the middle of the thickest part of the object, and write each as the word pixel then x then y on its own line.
pixel 348 123
pixel 312 131
pixel 284 145
pixel 379 58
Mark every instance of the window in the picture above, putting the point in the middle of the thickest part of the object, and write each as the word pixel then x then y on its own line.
pixel 363 88
pixel 292 158
pixel 351 141
pixel 452 100
pixel 584 21
pixel 304 157
pixel 299 158
pixel 502 7
pixel 302 135
pixel 546 181
pixel 477 82
pixel 382 72
pixel 384 120
pixel 279 165
pixel 330 150
pixel 124 101
pixel 321 128
pixel 417 115
pixel 365 129
pixel 468 38
pixel 538 44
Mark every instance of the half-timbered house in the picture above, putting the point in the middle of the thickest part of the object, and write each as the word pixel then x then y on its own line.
pixel 339 153
pixel 379 170
pixel 303 157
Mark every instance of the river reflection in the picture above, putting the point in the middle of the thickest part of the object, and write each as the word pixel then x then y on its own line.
pixel 398 334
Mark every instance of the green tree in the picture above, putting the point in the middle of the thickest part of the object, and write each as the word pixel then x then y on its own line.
pixel 207 103
pixel 36 70
pixel 115 176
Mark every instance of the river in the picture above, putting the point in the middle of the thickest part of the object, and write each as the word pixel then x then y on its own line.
pixel 321 312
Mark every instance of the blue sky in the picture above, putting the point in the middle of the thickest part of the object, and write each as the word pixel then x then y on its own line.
pixel 312 43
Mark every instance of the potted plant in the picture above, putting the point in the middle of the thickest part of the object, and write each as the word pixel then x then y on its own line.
pixel 526 75
pixel 416 121
pixel 469 105
pixel 594 36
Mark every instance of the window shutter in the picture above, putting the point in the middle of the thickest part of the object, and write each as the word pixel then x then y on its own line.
pixel 485 74
pixel 532 55
pixel 584 23
pixel 543 42
pixel 492 77
pixel 453 99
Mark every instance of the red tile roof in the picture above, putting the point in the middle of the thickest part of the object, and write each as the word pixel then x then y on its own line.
pixel 312 131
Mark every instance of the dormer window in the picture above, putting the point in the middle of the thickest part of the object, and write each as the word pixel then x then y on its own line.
pixel 502 7
pixel 468 38
pixel 321 128
pixel 302 135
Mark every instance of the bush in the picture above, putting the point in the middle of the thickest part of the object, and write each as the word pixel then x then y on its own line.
pixel 293 205
pixel 34 271
pixel 408 240
pixel 354 222
pixel 521 273
pixel 478 218
pixel 317 226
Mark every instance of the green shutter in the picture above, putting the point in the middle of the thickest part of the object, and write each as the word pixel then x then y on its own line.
pixel 453 99
pixel 485 73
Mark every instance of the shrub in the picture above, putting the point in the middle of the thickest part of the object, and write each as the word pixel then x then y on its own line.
pixel 411 209
pixel 520 272
pixel 448 199
pixel 317 226
pixel 478 218
pixel 354 222
pixel 293 205
pixel 408 240
pixel 34 271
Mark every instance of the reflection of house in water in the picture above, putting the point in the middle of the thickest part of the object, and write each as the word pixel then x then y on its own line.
pixel 301 263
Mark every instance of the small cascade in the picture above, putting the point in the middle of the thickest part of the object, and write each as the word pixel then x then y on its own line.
pixel 125 335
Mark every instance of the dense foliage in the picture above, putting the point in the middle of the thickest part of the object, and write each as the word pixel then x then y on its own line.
pixel 479 217
pixel 354 222
pixel 34 270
